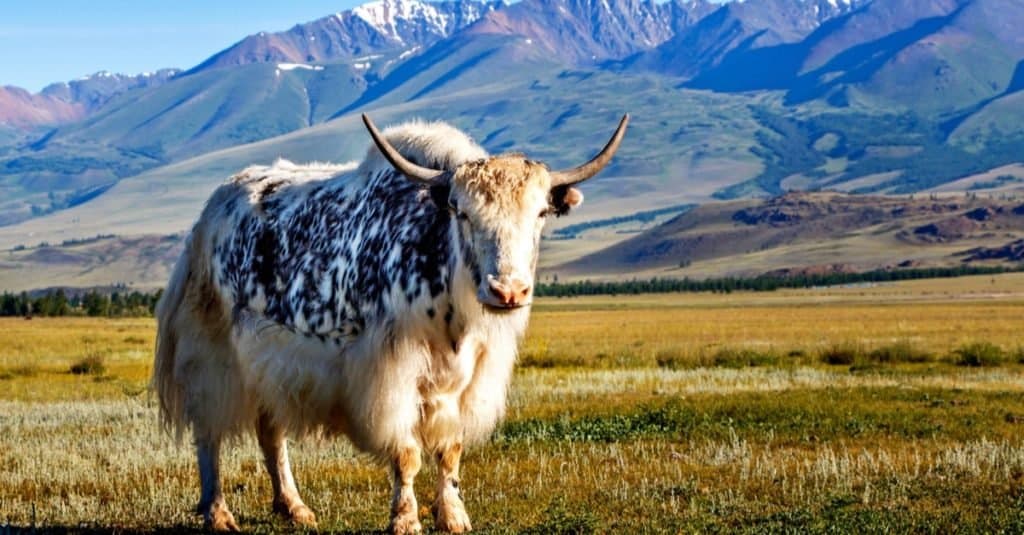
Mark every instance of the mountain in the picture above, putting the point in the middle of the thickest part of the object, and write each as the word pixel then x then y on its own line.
pixel 561 118
pixel 745 99
pixel 808 231
pixel 739 27
pixel 930 56
pixel 530 40
pixel 589 31
pixel 139 130
pixel 113 126
pixel 20 108
pixel 64 102
pixel 377 27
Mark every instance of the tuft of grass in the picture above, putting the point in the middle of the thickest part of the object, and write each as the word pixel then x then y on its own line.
pixel 91 365
pixel 744 358
pixel 25 370
pixel 980 354
pixel 844 354
pixel 673 359
pixel 902 351
pixel 544 361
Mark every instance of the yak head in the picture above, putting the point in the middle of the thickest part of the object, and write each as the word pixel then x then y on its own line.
pixel 499 206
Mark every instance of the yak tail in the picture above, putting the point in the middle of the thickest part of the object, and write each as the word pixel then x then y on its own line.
pixel 165 382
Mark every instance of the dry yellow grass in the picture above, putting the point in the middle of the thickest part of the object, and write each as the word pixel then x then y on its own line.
pixel 604 440
pixel 936 316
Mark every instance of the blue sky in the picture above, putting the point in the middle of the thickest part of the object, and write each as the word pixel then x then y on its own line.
pixel 44 41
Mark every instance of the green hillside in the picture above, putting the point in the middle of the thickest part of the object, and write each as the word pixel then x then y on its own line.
pixel 709 150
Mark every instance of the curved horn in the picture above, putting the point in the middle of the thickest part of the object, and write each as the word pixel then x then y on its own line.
pixel 576 175
pixel 416 173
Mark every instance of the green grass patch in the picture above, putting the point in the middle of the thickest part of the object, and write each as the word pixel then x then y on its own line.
pixel 899 352
pixel 979 354
pixel 799 416
pixel 859 358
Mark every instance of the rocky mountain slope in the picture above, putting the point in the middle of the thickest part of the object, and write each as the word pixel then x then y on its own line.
pixel 825 230
pixel 377 27
pixel 739 28
pixel 932 56
pixel 805 233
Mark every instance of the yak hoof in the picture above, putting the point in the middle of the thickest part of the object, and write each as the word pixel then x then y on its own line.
pixel 220 519
pixel 450 511
pixel 405 525
pixel 452 520
pixel 298 514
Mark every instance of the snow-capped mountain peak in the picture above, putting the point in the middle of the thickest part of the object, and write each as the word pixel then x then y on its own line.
pixel 384 16
pixel 374 27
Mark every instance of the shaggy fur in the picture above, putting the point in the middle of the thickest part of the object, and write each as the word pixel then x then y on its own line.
pixel 349 300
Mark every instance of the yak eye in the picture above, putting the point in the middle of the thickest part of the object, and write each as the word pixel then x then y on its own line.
pixel 459 214
pixel 544 213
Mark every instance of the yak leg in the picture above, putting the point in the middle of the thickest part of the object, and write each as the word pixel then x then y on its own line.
pixel 212 506
pixel 275 455
pixel 404 514
pixel 449 511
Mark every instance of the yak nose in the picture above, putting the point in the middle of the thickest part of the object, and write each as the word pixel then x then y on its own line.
pixel 510 292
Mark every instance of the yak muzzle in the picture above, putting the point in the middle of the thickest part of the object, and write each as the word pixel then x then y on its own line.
pixel 506 293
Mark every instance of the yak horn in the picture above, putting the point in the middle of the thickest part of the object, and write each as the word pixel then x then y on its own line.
pixel 416 173
pixel 579 174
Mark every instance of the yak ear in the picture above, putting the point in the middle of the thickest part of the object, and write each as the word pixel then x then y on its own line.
pixel 565 198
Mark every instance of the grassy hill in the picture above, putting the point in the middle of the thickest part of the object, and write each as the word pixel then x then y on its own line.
pixel 709 130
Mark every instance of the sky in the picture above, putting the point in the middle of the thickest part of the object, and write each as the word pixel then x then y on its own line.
pixel 46 41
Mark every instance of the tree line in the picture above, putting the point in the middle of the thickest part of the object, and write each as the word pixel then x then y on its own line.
pixel 116 304
pixel 92 303
pixel 763 283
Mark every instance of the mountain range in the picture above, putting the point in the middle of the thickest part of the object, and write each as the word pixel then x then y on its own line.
pixel 742 99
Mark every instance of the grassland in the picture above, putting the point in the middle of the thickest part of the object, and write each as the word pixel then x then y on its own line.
pixel 670 413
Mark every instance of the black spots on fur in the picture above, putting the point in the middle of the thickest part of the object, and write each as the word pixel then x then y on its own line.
pixel 449 314
pixel 269 187
pixel 330 258
pixel 431 250
pixel 264 263
pixel 439 195
pixel 431 313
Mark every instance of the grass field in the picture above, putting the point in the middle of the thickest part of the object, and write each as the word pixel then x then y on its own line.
pixel 888 408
